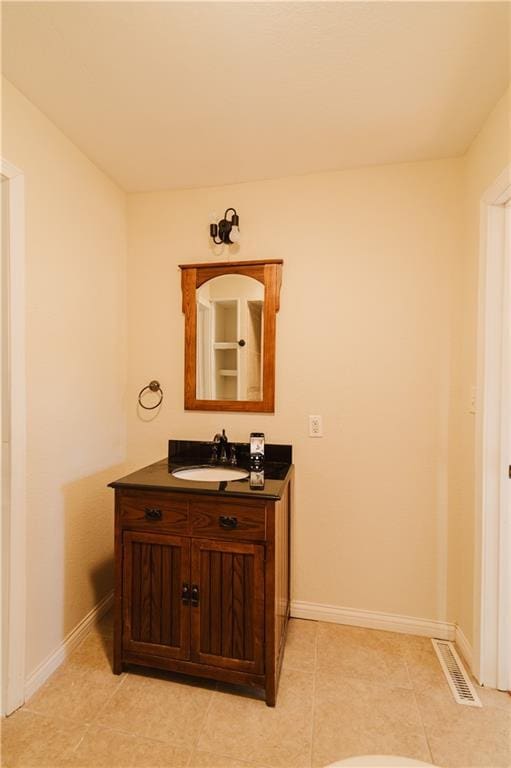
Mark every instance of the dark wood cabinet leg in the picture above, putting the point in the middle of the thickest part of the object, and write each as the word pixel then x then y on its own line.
pixel 117 666
pixel 270 691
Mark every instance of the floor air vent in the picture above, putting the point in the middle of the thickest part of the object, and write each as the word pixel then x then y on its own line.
pixel 459 683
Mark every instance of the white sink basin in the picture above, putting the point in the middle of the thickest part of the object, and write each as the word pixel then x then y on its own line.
pixel 210 474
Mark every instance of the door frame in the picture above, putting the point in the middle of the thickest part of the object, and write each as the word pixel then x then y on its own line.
pixel 14 518
pixel 492 614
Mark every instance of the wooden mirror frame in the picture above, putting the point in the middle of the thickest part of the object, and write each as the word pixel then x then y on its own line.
pixel 269 273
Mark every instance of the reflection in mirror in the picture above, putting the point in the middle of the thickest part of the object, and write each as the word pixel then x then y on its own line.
pixel 230 311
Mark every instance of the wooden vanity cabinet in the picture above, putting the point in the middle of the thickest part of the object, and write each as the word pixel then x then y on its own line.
pixel 202 585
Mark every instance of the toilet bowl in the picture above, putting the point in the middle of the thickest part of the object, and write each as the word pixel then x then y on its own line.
pixel 380 761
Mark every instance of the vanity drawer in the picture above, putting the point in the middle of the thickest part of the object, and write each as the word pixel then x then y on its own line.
pixel 153 511
pixel 230 520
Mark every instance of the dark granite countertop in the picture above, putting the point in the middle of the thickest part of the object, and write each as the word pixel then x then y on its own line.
pixel 158 476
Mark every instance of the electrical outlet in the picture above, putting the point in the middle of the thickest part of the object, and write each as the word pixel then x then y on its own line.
pixel 315 426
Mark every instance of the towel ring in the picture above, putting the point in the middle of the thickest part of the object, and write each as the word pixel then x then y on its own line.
pixel 154 386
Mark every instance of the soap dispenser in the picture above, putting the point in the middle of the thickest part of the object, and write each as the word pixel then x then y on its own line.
pixel 256 451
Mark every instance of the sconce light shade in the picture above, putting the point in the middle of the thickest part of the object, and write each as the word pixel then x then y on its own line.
pixel 227 230
pixel 234 234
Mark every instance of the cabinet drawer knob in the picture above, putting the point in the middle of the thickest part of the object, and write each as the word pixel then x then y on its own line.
pixel 195 595
pixel 152 514
pixel 228 522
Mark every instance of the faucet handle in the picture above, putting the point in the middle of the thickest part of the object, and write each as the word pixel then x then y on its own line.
pixel 233 459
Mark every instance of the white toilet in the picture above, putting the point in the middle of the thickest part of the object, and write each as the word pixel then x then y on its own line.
pixel 380 761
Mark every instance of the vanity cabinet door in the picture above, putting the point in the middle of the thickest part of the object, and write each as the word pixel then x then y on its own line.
pixel 156 613
pixel 228 609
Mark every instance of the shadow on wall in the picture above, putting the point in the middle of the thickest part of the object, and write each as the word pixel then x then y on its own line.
pixel 88 568
pixel 104 574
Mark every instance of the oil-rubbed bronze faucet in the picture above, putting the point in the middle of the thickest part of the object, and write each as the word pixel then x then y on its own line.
pixel 223 441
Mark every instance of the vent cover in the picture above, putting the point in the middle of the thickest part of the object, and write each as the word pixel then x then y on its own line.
pixel 454 671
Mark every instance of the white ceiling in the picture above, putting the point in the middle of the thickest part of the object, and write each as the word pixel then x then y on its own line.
pixel 184 94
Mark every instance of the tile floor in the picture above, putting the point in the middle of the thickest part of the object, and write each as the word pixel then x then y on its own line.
pixel 344 691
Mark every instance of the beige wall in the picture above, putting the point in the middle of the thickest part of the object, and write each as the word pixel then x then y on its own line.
pixel 376 333
pixel 364 338
pixel 489 154
pixel 76 371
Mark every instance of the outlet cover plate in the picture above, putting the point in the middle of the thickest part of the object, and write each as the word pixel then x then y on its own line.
pixel 315 426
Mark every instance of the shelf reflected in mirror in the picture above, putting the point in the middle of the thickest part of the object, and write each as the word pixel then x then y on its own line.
pixel 230 327
pixel 230 338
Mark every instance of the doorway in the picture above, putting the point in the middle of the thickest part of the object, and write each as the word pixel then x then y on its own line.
pixel 493 441
pixel 13 427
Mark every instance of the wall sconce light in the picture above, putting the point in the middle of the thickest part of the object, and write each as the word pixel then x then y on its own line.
pixel 227 230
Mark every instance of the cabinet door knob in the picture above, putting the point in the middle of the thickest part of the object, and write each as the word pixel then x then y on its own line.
pixel 152 514
pixel 195 595
pixel 227 522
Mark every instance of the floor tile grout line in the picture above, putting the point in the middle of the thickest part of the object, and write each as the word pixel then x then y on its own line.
pixel 248 763
pixel 383 680
pixel 124 677
pixel 368 680
pixel 54 718
pixel 75 748
pixel 64 720
pixel 404 658
pixel 132 735
pixel 419 711
pixel 314 693
pixel 51 716
pixel 203 723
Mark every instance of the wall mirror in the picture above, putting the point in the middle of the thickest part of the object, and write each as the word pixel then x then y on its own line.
pixel 230 322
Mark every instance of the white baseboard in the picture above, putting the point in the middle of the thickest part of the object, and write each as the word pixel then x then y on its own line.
pixel 300 609
pixel 464 646
pixel 50 664
pixel 443 630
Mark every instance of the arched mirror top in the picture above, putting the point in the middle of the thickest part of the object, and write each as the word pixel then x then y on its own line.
pixel 204 275
pixel 230 323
